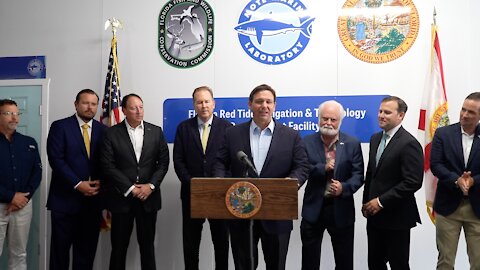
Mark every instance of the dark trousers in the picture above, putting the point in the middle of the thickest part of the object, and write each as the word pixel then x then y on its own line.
pixel 312 236
pixel 122 226
pixel 392 246
pixel 275 246
pixel 192 233
pixel 78 231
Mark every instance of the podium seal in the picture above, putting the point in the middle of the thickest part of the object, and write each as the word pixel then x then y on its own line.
pixel 243 199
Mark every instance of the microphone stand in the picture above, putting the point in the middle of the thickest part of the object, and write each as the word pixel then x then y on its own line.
pixel 250 229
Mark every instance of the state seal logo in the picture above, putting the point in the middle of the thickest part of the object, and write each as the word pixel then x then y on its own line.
pixel 274 32
pixel 378 31
pixel 185 32
pixel 243 199
pixel 439 119
pixel 35 67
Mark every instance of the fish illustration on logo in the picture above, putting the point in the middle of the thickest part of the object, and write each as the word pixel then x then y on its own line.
pixel 270 27
pixel 274 32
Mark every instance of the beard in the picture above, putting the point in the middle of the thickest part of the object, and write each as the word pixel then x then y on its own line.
pixel 328 131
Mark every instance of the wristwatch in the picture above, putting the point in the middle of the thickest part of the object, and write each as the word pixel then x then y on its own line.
pixel 152 187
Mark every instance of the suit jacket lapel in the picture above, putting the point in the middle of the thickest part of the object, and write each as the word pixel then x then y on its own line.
pixel 277 134
pixel 339 152
pixel 148 141
pixel 196 134
pixel 475 147
pixel 129 145
pixel 94 137
pixel 457 145
pixel 78 136
pixel 246 139
pixel 372 155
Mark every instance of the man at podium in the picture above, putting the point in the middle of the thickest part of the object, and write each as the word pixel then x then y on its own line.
pixel 277 151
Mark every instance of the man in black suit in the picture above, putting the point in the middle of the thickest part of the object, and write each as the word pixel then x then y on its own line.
pixel 73 146
pixel 336 174
pixel 455 161
pixel 394 174
pixel 277 151
pixel 134 161
pixel 196 145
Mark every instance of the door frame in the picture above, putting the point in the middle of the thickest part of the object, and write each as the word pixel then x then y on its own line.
pixel 43 188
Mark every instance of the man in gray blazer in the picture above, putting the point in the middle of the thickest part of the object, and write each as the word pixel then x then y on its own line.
pixel 134 161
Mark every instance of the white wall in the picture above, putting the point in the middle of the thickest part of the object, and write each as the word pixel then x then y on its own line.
pixel 70 34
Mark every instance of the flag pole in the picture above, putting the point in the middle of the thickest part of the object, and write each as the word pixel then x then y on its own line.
pixel 111 113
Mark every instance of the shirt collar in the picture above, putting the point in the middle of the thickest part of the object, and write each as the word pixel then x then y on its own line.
pixel 200 122
pixel 465 133
pixel 392 131
pixel 335 140
pixel 254 126
pixel 81 122
pixel 130 127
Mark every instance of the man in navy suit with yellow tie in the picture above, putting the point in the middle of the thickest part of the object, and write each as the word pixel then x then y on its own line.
pixel 455 161
pixel 196 145
pixel 336 174
pixel 74 199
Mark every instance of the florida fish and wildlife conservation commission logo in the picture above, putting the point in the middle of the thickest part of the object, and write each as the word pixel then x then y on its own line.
pixel 378 31
pixel 35 67
pixel 185 32
pixel 274 32
pixel 243 199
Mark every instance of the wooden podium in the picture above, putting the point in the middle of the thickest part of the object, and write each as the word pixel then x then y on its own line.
pixel 279 198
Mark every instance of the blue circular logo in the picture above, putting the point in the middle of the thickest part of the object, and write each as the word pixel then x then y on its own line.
pixel 273 32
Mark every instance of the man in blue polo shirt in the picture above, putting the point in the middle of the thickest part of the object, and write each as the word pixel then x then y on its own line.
pixel 20 175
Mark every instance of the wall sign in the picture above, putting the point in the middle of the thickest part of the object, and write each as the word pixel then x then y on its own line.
pixel 378 31
pixel 274 32
pixel 185 32
pixel 300 113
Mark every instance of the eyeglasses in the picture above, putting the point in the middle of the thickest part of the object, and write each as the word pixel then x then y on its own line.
pixel 11 113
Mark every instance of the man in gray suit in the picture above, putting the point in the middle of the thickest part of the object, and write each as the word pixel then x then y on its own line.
pixel 134 160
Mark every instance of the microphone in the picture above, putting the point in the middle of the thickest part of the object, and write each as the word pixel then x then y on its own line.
pixel 244 159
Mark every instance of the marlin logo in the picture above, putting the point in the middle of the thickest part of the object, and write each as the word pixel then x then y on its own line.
pixel 270 27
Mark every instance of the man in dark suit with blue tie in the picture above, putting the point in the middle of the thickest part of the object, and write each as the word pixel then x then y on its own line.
pixel 455 161
pixel 74 199
pixel 277 151
pixel 394 174
pixel 134 161
pixel 336 174
pixel 196 145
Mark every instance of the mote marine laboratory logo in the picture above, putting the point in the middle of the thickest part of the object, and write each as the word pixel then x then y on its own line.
pixel 378 31
pixel 185 32
pixel 274 32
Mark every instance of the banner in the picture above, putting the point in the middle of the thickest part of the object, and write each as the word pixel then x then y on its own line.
pixel 300 113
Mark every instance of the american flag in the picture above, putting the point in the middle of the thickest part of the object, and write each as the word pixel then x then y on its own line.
pixel 111 111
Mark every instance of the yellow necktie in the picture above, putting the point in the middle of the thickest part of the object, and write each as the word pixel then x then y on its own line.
pixel 205 133
pixel 86 139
